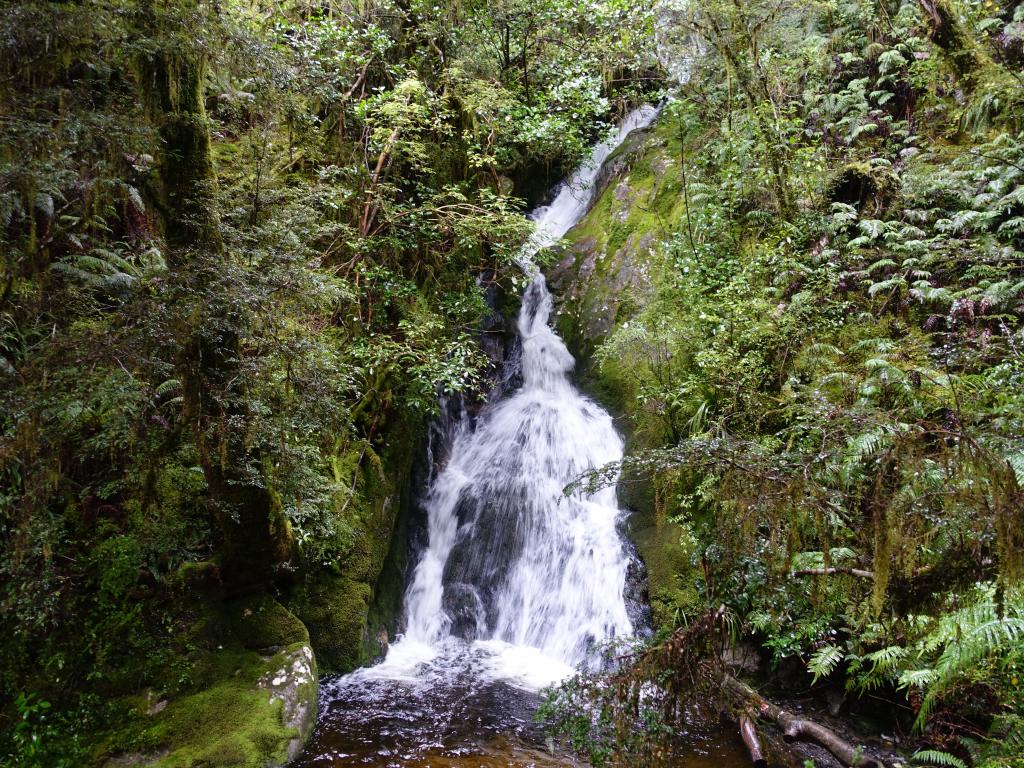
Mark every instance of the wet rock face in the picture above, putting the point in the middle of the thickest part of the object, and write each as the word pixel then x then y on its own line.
pixel 638 603
pixel 598 281
pixel 489 544
pixel 607 269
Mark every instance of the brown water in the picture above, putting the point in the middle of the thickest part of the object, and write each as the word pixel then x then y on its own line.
pixel 454 717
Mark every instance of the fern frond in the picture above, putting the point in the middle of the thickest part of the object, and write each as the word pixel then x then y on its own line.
pixel 1016 462
pixel 938 757
pixel 824 661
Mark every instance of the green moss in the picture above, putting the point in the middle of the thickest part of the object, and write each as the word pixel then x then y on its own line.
pixel 241 727
pixel 265 623
pixel 192 577
pixel 233 721
pixel 335 609
pixel 670 574
pixel 350 606
pixel 226 703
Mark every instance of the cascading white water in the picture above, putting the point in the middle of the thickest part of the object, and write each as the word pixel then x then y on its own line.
pixel 574 196
pixel 517 585
pixel 511 560
pixel 525 581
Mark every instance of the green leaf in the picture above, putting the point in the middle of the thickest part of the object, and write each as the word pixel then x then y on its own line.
pixel 937 757
pixel 824 661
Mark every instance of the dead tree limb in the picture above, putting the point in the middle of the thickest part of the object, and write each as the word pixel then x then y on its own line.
pixel 795 728
pixel 372 203
pixel 748 732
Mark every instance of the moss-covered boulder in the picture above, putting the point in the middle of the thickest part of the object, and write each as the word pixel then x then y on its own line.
pixel 335 609
pixel 252 703
pixel 351 606
pixel 263 623
pixel 612 266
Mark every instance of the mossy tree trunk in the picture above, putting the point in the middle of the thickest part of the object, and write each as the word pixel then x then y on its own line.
pixel 172 72
pixel 254 536
pixel 947 33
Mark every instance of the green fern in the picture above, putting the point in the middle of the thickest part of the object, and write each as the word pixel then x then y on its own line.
pixel 861 448
pixel 938 757
pixel 966 637
pixel 1016 462
pixel 101 269
pixel 824 661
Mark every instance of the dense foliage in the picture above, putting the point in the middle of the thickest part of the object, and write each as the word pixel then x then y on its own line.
pixel 825 379
pixel 243 246
pixel 240 243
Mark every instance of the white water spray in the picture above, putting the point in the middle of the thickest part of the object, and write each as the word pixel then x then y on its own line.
pixel 519 581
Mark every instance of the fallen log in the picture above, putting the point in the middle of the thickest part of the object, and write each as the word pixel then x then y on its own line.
pixel 748 732
pixel 794 728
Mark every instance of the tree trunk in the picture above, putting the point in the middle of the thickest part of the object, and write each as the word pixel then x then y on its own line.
pixel 252 532
pixel 945 31
pixel 172 86
pixel 748 732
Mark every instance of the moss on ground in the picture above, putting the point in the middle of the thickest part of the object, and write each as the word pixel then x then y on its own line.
pixel 230 724
pixel 244 708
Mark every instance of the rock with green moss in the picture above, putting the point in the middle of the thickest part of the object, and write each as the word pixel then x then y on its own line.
pixel 351 606
pixel 612 266
pixel 252 704
pixel 263 623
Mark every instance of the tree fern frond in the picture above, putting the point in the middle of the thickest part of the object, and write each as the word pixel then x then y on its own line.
pixel 938 757
pixel 1016 462
pixel 967 636
pixel 824 661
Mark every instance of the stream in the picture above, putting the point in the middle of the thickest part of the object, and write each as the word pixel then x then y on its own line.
pixel 518 585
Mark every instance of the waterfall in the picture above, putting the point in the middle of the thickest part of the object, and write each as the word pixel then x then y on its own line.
pixel 574 196
pixel 518 580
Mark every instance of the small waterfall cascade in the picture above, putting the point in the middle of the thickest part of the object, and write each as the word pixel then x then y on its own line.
pixel 513 565
pixel 524 579
pixel 519 583
pixel 516 585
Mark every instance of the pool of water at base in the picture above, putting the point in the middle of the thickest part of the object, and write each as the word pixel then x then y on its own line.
pixel 452 714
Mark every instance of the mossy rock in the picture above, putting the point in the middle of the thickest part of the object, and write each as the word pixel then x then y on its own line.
pixel 668 571
pixel 257 714
pixel 613 264
pixel 243 707
pixel 197 577
pixel 263 622
pixel 334 609
pixel 351 606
